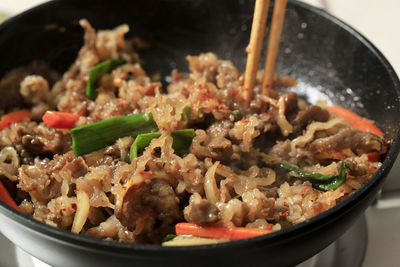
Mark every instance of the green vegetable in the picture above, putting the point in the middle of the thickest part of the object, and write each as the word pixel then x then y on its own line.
pixel 141 142
pixel 319 181
pixel 94 136
pixel 169 237
pixel 97 71
pixel 238 114
pixel 182 139
pixel 186 115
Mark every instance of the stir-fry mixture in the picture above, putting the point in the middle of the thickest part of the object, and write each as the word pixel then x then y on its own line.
pixel 106 151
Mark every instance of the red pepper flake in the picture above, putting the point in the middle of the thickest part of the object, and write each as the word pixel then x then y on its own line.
pixel 120 104
pixel 64 209
pixel 124 187
pixel 269 227
pixel 341 190
pixel 304 191
pixel 267 85
pixel 265 214
pixel 76 191
pixel 222 106
pixel 150 90
pixel 245 120
pixel 48 210
pixel 285 214
pixel 219 165
pixel 189 171
pixel 73 205
pixel 286 204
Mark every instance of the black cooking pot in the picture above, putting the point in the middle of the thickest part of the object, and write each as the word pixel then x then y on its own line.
pixel 325 55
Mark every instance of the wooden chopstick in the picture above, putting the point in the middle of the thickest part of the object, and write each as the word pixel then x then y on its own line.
pixel 273 44
pixel 254 48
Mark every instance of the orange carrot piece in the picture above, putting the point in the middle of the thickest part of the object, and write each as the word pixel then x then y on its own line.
pixel 357 121
pixel 6 198
pixel 218 232
pixel 14 117
pixel 63 120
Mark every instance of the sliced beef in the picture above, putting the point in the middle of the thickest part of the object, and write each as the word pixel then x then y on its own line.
pixel 290 103
pixel 34 139
pixel 36 92
pixel 112 228
pixel 217 148
pixel 201 212
pixel 37 181
pixel 148 206
pixel 358 142
pixel 304 118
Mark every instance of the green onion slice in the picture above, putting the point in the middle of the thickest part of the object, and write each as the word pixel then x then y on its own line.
pixel 95 136
pixel 182 139
pixel 169 237
pixel 238 114
pixel 186 115
pixel 318 180
pixel 97 71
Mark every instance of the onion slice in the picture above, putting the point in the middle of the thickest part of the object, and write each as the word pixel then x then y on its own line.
pixel 210 186
pixel 82 211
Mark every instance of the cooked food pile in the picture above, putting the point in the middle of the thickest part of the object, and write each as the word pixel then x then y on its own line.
pixel 107 151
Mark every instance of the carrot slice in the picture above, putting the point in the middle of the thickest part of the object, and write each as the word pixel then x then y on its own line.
pixel 357 121
pixel 6 198
pixel 218 232
pixel 14 117
pixel 63 120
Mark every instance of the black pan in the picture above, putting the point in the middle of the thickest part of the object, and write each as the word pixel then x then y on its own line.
pixel 318 49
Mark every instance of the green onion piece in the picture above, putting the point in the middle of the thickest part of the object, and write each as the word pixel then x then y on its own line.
pixel 97 71
pixel 169 237
pixel 334 183
pixel 238 115
pixel 318 180
pixel 182 139
pixel 141 142
pixel 95 136
pixel 186 115
pixel 305 174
